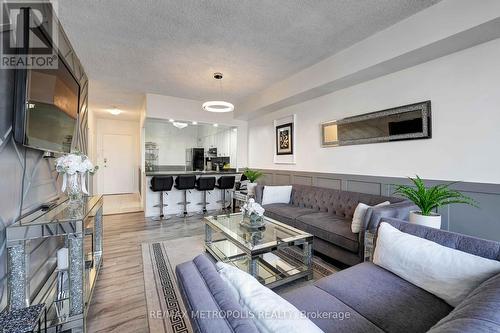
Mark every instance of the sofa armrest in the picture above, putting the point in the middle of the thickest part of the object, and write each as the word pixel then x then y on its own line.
pixel 477 313
pixel 400 210
pixel 198 298
pixel 211 305
pixel 259 191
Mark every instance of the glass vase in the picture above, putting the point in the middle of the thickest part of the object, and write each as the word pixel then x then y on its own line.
pixel 74 188
pixel 255 219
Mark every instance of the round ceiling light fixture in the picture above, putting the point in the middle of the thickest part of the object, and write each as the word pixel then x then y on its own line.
pixel 115 111
pixel 179 124
pixel 218 106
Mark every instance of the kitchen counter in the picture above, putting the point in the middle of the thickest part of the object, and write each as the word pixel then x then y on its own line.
pixel 197 173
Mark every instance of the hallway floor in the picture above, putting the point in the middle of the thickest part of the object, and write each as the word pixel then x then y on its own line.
pixel 122 203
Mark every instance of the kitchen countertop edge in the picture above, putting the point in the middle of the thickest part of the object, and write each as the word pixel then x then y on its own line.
pixel 197 173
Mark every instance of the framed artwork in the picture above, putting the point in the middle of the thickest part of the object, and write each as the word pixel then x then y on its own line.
pixel 284 139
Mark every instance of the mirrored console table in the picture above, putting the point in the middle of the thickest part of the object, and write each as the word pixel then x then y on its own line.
pixel 66 293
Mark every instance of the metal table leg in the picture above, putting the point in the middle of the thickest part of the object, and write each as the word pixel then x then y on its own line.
pixel 308 259
pixel 76 272
pixel 253 267
pixel 98 230
pixel 17 276
pixel 208 235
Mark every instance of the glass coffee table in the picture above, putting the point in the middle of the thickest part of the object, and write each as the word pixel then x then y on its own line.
pixel 275 254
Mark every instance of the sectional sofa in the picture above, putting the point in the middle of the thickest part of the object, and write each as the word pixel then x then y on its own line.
pixel 376 299
pixel 327 215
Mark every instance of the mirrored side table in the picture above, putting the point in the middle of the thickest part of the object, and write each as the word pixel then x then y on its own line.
pixel 370 236
pixel 77 227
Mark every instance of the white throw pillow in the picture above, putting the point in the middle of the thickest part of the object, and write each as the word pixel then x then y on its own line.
pixel 359 215
pixel 271 313
pixel 276 194
pixel 445 272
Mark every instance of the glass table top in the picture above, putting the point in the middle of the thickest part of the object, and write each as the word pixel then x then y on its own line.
pixel 61 212
pixel 270 235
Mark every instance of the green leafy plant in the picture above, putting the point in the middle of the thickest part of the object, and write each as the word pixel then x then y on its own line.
pixel 427 199
pixel 252 175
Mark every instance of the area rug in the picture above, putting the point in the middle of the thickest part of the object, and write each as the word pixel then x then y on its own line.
pixel 165 308
pixel 164 302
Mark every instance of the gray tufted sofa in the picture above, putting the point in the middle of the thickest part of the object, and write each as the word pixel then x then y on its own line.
pixel 327 214
pixel 375 299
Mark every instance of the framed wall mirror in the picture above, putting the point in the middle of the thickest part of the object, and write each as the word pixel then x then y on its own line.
pixel 408 122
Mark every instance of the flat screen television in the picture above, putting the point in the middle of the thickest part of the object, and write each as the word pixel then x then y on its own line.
pixel 47 103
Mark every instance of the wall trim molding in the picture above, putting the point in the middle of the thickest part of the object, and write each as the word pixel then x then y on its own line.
pixel 483 222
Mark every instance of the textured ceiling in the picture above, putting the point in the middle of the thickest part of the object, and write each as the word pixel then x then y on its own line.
pixel 130 47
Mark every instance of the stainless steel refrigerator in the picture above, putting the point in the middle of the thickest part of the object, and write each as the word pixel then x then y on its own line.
pixel 195 159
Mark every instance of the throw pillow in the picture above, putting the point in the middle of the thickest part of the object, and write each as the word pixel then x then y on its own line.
pixel 276 194
pixel 445 272
pixel 359 215
pixel 271 313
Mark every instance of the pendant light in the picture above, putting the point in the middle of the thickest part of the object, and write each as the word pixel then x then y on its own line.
pixel 218 106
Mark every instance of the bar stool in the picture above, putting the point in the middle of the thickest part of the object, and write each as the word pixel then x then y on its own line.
pixel 161 184
pixel 185 183
pixel 205 184
pixel 225 183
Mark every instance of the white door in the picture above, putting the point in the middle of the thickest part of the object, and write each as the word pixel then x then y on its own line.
pixel 117 174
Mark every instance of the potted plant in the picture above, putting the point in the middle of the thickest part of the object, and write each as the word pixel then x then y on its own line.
pixel 428 199
pixel 252 176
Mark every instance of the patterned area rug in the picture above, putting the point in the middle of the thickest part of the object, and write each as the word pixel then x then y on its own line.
pixel 164 301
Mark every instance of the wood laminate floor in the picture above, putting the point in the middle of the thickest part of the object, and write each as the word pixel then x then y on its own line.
pixel 119 303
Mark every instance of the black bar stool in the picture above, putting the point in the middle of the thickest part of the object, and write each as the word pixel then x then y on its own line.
pixel 205 184
pixel 185 183
pixel 161 184
pixel 225 183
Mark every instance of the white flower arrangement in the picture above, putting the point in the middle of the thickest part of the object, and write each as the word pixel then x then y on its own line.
pixel 76 162
pixel 74 165
pixel 252 207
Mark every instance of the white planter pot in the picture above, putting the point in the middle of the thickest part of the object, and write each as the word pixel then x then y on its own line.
pixel 251 188
pixel 433 220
